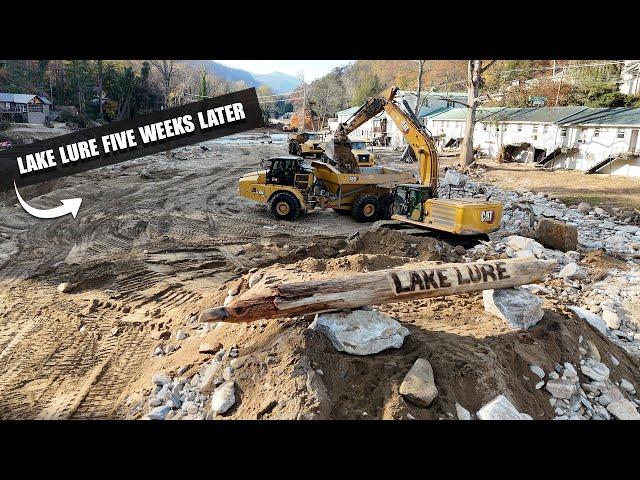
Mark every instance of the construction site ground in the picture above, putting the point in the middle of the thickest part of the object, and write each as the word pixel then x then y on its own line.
pixel 159 239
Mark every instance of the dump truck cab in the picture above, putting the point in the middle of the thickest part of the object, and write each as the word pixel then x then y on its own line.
pixel 364 157
pixel 306 144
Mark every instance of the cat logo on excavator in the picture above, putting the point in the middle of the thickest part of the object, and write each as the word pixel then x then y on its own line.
pixel 487 216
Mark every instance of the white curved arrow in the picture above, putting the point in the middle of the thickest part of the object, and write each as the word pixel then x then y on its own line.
pixel 70 205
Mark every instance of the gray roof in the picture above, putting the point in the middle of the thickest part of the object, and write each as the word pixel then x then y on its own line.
pixel 571 115
pixel 621 116
pixel 545 114
pixel 22 98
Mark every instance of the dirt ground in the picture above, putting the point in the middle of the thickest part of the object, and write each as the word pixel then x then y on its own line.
pixel 158 240
pixel 570 186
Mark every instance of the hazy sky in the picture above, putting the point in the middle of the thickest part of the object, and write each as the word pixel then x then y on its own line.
pixel 312 68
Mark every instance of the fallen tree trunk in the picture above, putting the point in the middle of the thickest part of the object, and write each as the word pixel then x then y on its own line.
pixel 266 300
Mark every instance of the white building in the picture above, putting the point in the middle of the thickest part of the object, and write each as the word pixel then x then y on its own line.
pixel 574 137
pixel 630 77
pixel 603 140
pixel 382 124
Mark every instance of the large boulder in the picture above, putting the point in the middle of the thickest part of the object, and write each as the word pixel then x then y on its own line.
pixel 623 410
pixel 516 306
pixel 360 332
pixel 418 386
pixel 223 397
pixel 500 408
pixel 561 388
pixel 556 234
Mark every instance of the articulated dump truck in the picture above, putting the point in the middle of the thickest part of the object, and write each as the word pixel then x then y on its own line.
pixel 291 186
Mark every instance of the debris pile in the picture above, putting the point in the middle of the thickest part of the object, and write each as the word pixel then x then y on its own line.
pixel 576 335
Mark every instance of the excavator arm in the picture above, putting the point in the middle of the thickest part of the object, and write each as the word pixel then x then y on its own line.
pixel 415 134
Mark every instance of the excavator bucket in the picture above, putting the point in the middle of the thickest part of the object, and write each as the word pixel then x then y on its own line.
pixel 338 152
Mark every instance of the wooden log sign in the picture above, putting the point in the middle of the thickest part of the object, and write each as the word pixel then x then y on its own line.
pixel 426 280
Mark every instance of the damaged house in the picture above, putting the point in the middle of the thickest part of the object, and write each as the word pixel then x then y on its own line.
pixel 24 108
pixel 594 140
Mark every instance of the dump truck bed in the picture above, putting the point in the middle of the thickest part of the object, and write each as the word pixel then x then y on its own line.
pixel 378 176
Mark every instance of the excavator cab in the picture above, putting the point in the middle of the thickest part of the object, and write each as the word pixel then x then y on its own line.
pixel 408 201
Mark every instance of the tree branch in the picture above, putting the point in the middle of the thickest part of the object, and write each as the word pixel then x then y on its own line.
pixel 487 66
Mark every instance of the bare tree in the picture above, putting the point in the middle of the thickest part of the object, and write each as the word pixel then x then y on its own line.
pixel 100 82
pixel 166 69
pixel 474 79
pixel 420 73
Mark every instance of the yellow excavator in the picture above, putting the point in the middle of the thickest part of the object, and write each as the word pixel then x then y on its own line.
pixel 417 204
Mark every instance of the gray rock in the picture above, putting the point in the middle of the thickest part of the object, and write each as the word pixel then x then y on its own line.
pixel 500 408
pixel 181 335
pixel 572 271
pixel 462 413
pixel 516 306
pixel 623 410
pixel 570 372
pixel 627 386
pixel 210 374
pixel 161 379
pixel 591 318
pixel 539 385
pixel 592 350
pixel 554 375
pixel 561 388
pixel 595 370
pixel 418 386
pixel 614 360
pixel 159 413
pixel 599 211
pixel 360 332
pixel 538 371
pixel 611 319
pixel 584 207
pixel 224 397
pixel 65 287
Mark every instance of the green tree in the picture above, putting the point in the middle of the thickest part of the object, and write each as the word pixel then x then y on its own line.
pixel 204 88
pixel 368 86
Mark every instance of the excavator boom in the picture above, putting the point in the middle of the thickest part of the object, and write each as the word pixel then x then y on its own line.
pixel 415 134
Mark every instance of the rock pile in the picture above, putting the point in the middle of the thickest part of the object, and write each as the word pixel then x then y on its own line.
pixel 597 397
pixel 204 395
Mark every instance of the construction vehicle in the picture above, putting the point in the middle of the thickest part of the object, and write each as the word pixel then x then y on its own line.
pixel 291 186
pixel 417 204
pixel 306 144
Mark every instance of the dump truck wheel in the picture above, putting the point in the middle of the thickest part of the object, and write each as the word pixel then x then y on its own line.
pixel 285 206
pixel 386 202
pixel 365 209
pixel 293 148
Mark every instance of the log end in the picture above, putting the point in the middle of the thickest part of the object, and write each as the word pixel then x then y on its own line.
pixel 216 314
